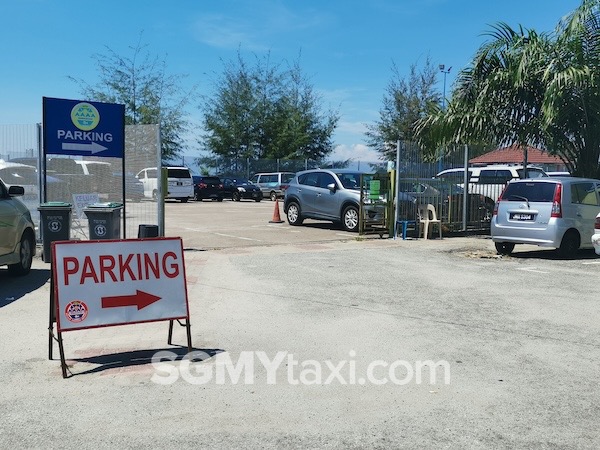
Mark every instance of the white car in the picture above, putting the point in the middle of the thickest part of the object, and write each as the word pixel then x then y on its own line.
pixel 596 236
pixel 17 174
pixel 489 180
pixel 17 231
pixel 180 185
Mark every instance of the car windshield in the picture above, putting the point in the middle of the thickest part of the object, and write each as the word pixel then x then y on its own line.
pixel 19 175
pixel 533 192
pixel 178 173
pixel 531 173
pixel 352 180
pixel 99 169
pixel 287 177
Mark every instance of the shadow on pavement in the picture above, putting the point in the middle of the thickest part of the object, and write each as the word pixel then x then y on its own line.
pixel 552 254
pixel 138 358
pixel 13 288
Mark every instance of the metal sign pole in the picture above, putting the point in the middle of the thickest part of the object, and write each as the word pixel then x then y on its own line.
pixel 397 190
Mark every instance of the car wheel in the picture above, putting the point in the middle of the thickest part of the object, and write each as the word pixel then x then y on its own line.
pixel 350 218
pixel 273 196
pixel 569 244
pixel 293 214
pixel 504 248
pixel 236 196
pixel 219 199
pixel 25 257
pixel 257 200
pixel 183 200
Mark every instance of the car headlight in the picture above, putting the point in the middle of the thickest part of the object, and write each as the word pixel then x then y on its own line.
pixel 241 189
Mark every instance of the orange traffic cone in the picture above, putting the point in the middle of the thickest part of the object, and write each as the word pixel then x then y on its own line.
pixel 276 217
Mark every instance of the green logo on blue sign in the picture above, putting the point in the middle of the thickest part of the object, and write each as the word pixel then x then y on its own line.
pixel 85 116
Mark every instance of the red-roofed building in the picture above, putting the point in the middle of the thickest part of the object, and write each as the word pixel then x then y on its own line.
pixel 514 155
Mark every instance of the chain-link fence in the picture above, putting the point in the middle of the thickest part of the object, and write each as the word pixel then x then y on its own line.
pixel 81 181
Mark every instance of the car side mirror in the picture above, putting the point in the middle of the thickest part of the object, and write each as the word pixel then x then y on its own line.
pixel 331 187
pixel 16 191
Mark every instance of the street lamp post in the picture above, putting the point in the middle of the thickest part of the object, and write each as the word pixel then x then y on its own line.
pixel 445 72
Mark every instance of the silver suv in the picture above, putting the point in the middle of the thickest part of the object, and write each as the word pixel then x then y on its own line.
pixel 17 235
pixel 333 194
pixel 549 212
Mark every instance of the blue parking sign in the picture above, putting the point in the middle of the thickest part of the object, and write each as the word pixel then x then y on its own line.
pixel 77 127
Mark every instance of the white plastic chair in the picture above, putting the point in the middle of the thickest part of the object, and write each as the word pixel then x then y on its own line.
pixel 428 217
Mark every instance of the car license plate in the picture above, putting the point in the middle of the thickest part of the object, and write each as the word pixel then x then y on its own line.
pixel 521 216
pixel 180 183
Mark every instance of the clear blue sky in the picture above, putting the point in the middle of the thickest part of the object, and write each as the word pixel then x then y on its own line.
pixel 347 46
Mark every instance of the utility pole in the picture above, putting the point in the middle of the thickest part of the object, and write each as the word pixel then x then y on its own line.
pixel 445 72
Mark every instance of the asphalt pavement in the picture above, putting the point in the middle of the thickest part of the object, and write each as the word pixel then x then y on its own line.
pixel 311 337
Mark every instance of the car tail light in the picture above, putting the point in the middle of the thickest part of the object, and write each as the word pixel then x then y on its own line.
pixel 283 187
pixel 597 224
pixel 202 185
pixel 556 203
pixel 221 186
pixel 495 213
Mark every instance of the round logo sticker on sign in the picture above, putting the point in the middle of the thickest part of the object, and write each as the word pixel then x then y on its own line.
pixel 76 311
pixel 85 116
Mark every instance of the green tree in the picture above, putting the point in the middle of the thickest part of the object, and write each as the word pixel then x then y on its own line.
pixel 530 89
pixel 405 101
pixel 265 111
pixel 150 95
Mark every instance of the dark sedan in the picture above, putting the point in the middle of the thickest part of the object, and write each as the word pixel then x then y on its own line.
pixel 240 188
pixel 209 187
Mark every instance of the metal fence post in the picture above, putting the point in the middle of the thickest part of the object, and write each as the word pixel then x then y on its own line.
pixel 466 188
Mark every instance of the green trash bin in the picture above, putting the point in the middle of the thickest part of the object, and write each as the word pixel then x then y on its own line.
pixel 55 225
pixel 104 220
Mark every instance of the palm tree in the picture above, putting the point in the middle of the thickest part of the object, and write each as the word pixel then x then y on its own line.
pixel 530 89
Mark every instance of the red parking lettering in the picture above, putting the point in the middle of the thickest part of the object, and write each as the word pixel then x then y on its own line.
pixel 174 266
pixel 88 271
pixel 107 264
pixel 149 266
pixel 124 267
pixel 70 267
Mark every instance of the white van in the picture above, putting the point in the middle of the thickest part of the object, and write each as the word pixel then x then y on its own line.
pixel 179 183
pixel 273 184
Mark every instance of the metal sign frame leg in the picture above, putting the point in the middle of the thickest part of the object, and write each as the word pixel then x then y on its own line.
pixel 51 315
pixel 188 331
pixel 51 321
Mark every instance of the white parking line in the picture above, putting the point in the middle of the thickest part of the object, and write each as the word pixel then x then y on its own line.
pixel 531 269
pixel 237 237
pixel 590 263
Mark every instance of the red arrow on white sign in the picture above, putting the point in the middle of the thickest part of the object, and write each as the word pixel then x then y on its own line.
pixel 140 299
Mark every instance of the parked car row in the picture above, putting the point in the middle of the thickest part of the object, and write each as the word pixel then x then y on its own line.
pixel 262 185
